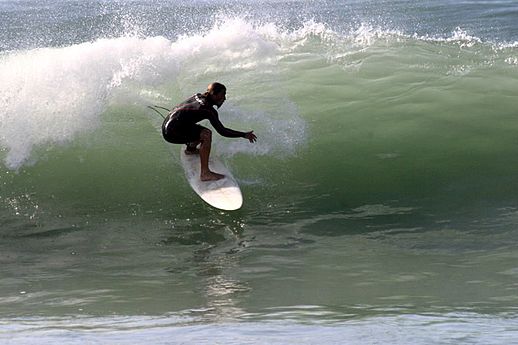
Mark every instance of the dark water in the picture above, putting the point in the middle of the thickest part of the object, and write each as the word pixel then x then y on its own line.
pixel 380 199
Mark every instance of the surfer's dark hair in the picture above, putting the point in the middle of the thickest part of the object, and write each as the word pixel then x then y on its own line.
pixel 214 89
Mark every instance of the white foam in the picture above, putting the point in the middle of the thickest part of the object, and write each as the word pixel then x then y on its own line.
pixel 48 96
pixel 233 44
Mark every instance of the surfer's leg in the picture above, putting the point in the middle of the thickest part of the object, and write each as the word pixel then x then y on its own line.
pixel 206 142
pixel 192 138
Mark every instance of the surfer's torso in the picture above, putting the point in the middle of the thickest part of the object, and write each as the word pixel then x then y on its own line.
pixel 192 111
pixel 183 119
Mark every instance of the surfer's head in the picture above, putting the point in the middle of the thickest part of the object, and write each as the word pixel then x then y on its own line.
pixel 216 93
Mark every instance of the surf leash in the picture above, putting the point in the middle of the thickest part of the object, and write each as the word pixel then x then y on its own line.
pixel 156 107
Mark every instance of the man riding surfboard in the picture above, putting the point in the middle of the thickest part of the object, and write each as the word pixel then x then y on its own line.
pixel 181 126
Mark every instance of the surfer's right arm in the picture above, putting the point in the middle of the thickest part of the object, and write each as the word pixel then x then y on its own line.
pixel 227 132
pixel 251 136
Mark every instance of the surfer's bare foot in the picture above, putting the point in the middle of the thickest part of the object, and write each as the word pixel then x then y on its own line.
pixel 211 176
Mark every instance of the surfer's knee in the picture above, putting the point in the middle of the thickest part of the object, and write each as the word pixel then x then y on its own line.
pixel 206 135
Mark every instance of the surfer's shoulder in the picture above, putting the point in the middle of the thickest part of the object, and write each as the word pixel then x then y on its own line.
pixel 205 105
pixel 201 99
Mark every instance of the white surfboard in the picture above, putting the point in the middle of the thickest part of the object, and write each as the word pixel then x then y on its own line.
pixel 223 194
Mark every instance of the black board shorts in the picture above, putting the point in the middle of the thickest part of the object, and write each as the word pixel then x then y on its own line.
pixel 177 133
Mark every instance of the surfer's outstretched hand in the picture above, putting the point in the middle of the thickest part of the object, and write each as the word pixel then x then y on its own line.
pixel 251 137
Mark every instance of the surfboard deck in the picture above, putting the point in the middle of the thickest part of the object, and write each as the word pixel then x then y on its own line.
pixel 223 194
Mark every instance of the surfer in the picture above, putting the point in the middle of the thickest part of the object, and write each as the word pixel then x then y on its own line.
pixel 180 126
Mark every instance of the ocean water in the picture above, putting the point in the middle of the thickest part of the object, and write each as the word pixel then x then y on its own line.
pixel 381 198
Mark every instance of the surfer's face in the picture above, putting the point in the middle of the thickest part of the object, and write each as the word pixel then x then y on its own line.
pixel 219 98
